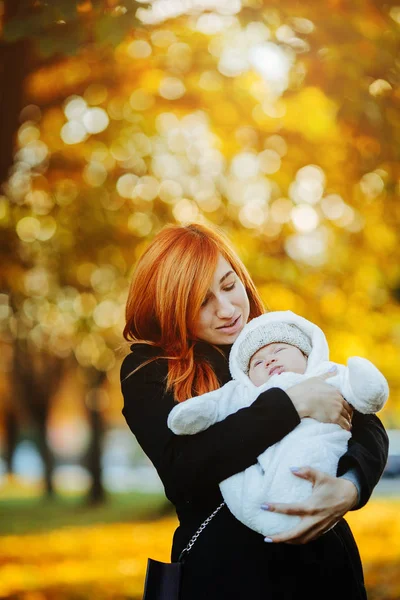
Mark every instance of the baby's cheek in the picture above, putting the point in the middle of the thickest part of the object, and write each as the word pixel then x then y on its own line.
pixel 253 376
pixel 259 377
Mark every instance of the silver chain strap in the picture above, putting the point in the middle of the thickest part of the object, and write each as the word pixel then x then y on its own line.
pixel 200 529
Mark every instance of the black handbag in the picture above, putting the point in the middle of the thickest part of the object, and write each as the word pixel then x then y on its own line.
pixel 163 580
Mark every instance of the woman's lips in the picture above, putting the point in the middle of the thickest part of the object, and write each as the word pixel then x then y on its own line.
pixel 236 324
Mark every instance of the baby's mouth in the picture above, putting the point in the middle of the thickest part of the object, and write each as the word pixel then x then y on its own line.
pixel 277 370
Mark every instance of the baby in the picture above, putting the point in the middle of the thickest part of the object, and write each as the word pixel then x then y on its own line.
pixel 280 349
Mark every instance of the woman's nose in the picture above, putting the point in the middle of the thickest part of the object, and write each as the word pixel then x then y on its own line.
pixel 225 310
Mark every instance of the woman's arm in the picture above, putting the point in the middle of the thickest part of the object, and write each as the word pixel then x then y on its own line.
pixel 200 412
pixel 190 465
pixel 367 454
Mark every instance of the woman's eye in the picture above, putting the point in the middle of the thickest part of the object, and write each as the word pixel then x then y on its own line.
pixel 204 302
pixel 229 288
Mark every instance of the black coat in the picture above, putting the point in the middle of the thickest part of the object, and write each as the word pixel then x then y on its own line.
pixel 229 560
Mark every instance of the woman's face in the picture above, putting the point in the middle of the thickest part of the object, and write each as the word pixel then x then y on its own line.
pixel 225 309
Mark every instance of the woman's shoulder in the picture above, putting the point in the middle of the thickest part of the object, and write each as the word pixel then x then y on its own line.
pixel 150 364
pixel 148 356
pixel 217 357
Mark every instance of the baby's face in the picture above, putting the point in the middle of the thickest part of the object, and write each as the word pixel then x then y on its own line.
pixel 275 359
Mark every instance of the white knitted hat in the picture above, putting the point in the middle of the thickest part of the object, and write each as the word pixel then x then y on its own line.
pixel 269 334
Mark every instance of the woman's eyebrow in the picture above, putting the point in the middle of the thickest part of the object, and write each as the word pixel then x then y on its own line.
pixel 226 275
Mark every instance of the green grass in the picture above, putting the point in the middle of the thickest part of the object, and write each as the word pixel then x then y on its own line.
pixel 33 515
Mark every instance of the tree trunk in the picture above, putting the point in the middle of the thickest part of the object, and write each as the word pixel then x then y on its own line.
pixel 95 380
pixel 11 437
pixel 46 456
pixel 14 61
pixel 96 493
pixel 36 377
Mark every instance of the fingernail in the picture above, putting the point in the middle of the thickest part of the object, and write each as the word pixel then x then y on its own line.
pixel 332 369
pixel 294 469
pixel 267 540
pixel 265 506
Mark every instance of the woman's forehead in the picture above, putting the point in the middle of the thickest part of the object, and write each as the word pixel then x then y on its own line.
pixel 222 269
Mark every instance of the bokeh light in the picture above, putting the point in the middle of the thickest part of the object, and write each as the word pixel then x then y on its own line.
pixel 270 121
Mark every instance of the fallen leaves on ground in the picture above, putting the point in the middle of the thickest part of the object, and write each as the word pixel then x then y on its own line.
pixel 109 561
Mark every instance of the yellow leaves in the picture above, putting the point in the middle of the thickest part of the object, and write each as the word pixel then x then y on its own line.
pixel 52 122
pixel 29 229
pixel 382 238
pixel 44 83
pixel 5 212
pixel 333 304
pixel 151 79
pixel 376 528
pixel 366 276
pixel 138 156
pixel 84 7
pixel 344 344
pixel 277 297
pixel 370 28
pixel 311 113
pixel 16 487
pixel 113 557
pixel 225 113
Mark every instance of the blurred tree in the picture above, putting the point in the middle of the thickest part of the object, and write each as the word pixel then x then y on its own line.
pixel 95 380
pixel 275 123
pixel 14 61
pixel 36 377
pixel 63 27
pixel 11 430
pixel 37 34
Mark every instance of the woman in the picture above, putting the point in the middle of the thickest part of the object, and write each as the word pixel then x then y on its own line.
pixel 189 298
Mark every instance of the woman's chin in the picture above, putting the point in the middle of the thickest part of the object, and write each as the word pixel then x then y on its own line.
pixel 225 339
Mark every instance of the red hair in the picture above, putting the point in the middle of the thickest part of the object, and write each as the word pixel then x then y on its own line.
pixel 168 286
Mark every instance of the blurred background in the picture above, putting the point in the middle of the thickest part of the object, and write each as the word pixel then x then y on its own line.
pixel 277 121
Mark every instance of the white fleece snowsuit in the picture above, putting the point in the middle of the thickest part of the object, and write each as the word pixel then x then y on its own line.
pixel 311 443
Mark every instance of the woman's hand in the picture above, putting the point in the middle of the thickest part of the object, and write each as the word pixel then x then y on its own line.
pixel 317 399
pixel 330 500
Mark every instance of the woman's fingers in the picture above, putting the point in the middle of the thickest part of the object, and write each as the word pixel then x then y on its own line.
pixel 295 508
pixel 304 532
pixel 347 410
pixel 287 509
pixel 318 399
pixel 309 529
pixel 344 423
pixel 331 498
pixel 346 416
pixel 331 373
pixel 348 407
pixel 307 473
